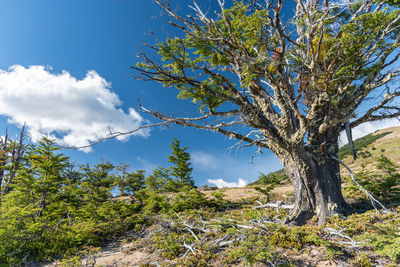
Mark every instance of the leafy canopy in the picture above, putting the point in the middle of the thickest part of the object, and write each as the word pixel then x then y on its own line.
pixel 291 81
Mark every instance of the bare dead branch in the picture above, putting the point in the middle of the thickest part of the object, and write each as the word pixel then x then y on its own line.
pixel 273 205
pixel 374 201
pixel 113 135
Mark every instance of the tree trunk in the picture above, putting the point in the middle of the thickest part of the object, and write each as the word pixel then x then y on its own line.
pixel 317 186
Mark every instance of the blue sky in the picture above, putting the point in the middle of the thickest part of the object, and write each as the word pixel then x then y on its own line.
pixel 64 70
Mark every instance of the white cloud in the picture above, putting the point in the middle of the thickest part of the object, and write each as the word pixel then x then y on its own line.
pixel 220 183
pixel 217 165
pixel 60 106
pixel 367 128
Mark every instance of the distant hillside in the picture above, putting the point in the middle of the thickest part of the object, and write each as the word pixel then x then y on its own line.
pixel 385 141
pixel 360 144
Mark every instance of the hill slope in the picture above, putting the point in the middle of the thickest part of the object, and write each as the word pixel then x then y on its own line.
pixel 385 141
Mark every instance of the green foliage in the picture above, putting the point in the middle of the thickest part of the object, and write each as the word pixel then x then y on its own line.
pixel 97 182
pixel 182 56
pixel 55 211
pixel 170 245
pixel 159 181
pixel 155 202
pixel 251 251
pixel 260 246
pixel 181 169
pixel 200 64
pixel 390 2
pixel 362 261
pixel 189 199
pixel 219 201
pixel 130 182
pixel 361 143
pixel 266 183
pixel 379 232
pixel 38 208
pixel 76 260
pixel 252 243
pixel 219 195
pixel 365 154
pixel 240 237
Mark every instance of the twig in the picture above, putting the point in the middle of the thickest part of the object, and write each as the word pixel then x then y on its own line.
pixel 216 242
pixel 113 135
pixel 227 243
pixel 203 230
pixel 190 248
pixel 24 260
pixel 190 231
pixel 245 226
pixel 332 231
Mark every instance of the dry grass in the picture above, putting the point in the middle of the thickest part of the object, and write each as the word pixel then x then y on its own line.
pixel 391 145
pixel 236 194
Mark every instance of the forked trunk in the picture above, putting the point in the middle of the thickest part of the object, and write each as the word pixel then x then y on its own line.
pixel 317 187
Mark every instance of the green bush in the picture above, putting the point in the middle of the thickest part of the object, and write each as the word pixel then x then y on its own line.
pixel 189 199
pixel 155 202
pixel 170 245
pixel 54 211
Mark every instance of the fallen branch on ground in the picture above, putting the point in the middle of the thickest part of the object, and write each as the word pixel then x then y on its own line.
pixel 216 242
pixel 190 248
pixel 339 233
pixel 277 205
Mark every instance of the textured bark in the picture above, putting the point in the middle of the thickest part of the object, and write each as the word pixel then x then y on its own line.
pixel 297 88
pixel 317 186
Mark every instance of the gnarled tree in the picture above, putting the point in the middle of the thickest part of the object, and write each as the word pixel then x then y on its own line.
pixel 293 83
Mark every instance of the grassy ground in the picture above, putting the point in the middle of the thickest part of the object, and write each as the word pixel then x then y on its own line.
pixel 250 236
pixel 241 233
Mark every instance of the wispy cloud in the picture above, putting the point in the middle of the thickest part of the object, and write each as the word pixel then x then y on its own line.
pixel 221 183
pixel 146 165
pixel 60 106
pixel 221 167
pixel 204 160
pixel 367 128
